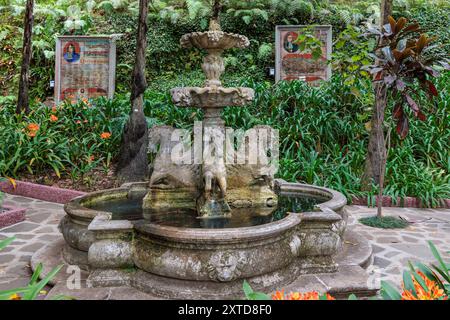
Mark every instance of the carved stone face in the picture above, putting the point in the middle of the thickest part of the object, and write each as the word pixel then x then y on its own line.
pixel 224 267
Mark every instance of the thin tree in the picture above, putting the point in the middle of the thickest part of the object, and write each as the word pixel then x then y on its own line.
pixel 22 100
pixel 375 166
pixel 132 162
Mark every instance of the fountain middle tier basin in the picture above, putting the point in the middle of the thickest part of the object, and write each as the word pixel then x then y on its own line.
pixel 214 40
pixel 108 231
pixel 211 97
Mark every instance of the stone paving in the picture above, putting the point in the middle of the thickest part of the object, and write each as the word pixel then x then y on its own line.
pixel 39 229
pixel 392 248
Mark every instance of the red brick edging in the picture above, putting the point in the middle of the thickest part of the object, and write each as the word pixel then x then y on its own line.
pixel 39 191
pixel 11 216
pixel 408 202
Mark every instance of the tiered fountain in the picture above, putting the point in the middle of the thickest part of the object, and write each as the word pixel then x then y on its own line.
pixel 198 230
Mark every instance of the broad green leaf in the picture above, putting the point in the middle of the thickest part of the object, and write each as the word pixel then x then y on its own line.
pixel 441 272
pixel 389 292
pixel 438 257
pixel 420 280
pixel 36 274
pixel 6 242
pixel 323 296
pixel 429 274
pixel 247 289
pixel 259 296
pixel 32 294
pixel 408 283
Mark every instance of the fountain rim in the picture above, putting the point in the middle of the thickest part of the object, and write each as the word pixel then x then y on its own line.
pixel 219 236
pixel 325 213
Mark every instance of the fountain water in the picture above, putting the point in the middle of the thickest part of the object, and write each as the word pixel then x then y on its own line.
pixel 197 230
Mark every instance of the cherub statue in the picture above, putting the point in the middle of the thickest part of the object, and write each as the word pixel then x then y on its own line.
pixel 213 171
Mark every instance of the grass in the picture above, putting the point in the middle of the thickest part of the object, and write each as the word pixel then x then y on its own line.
pixel 384 222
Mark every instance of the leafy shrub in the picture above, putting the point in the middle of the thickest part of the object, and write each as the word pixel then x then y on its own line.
pixel 67 139
pixel 422 282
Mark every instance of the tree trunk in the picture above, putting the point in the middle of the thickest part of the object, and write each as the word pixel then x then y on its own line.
pixel 22 100
pixel 376 155
pixel 217 7
pixel 386 11
pixel 132 162
pixel 379 145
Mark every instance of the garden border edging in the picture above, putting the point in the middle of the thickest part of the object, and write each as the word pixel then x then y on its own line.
pixel 39 191
pixel 408 202
pixel 11 216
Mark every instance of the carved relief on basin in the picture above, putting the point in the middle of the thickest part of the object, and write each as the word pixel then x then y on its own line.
pixel 211 40
pixel 211 97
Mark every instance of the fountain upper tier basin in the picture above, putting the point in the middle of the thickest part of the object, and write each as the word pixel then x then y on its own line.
pixel 211 97
pixel 214 40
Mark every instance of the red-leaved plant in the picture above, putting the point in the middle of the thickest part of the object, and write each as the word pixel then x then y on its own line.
pixel 404 56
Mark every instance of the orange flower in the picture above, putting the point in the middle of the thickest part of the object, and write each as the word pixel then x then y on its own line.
pixel 78 122
pixel 91 158
pixel 432 292
pixel 329 297
pixel 54 110
pixel 15 296
pixel 53 118
pixel 105 135
pixel 86 102
pixel 32 129
pixel 312 295
pixel 279 295
pixel 294 296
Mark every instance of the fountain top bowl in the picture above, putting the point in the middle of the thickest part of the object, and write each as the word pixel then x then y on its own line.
pixel 214 40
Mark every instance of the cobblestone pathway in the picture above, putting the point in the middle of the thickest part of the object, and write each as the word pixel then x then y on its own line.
pixel 392 248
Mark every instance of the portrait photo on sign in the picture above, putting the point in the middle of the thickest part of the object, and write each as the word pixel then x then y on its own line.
pixel 290 44
pixel 71 52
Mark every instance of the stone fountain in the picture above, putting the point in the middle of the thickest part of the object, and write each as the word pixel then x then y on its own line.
pixel 212 186
pixel 196 230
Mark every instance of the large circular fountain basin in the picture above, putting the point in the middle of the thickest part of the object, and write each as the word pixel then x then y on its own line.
pixel 299 241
